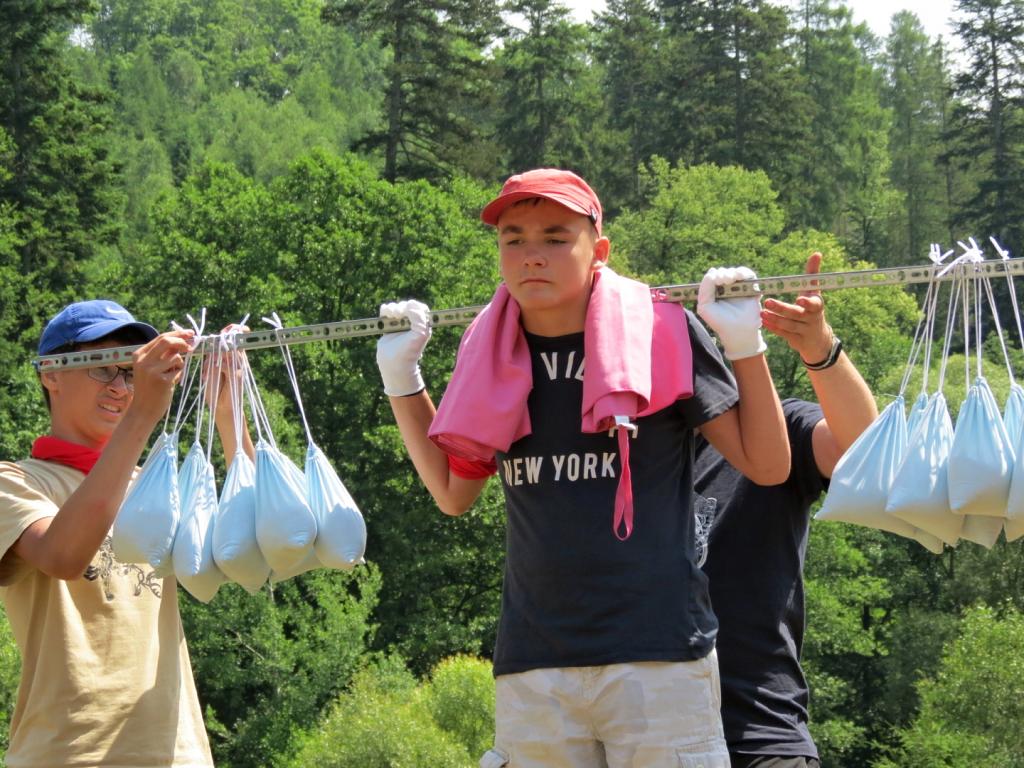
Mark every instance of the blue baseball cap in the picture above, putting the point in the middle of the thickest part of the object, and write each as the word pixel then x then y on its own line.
pixel 86 321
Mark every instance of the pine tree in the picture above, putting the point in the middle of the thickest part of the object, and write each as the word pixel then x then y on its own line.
pixel 915 92
pixel 435 78
pixel 541 68
pixel 629 45
pixel 988 122
pixel 63 180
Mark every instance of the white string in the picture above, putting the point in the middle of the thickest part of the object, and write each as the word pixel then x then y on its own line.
pixel 967 332
pixel 275 322
pixel 216 366
pixel 999 328
pixel 1005 255
pixel 951 310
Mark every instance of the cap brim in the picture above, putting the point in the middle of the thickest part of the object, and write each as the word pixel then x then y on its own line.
pixel 493 210
pixel 99 330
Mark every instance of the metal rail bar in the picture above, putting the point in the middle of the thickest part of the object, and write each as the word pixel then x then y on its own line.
pixel 375 326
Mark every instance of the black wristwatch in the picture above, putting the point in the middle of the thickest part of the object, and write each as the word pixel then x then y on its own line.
pixel 830 358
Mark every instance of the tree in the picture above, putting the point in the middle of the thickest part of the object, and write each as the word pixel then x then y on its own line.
pixel 436 72
pixel 386 719
pixel 842 167
pixel 916 83
pixel 544 120
pixel 62 180
pixel 971 708
pixel 59 203
pixel 988 124
pixel 629 45
pixel 265 662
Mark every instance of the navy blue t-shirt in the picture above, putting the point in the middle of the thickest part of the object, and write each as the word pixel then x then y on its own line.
pixel 755 566
pixel 574 594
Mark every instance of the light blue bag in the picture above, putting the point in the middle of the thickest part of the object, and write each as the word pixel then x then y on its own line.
pixel 859 489
pixel 916 414
pixel 285 526
pixel 235 546
pixel 191 469
pixel 1013 414
pixel 1014 524
pixel 194 566
pixel 919 493
pixel 146 523
pixel 341 530
pixel 981 458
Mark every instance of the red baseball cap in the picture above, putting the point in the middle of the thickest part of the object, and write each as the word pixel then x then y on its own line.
pixel 558 186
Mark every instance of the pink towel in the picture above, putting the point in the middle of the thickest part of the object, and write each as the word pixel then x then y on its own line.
pixel 638 361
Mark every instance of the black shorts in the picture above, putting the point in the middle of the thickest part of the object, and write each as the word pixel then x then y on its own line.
pixel 767 761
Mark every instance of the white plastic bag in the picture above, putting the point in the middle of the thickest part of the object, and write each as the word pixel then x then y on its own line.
pixel 919 493
pixel 146 523
pixel 981 458
pixel 860 483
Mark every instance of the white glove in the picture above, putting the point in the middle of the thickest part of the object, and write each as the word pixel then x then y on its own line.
pixel 398 354
pixel 737 322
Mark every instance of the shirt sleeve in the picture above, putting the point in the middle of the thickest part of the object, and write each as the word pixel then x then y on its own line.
pixel 801 419
pixel 714 387
pixel 20 506
pixel 468 469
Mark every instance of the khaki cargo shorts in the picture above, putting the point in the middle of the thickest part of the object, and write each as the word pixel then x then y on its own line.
pixel 640 715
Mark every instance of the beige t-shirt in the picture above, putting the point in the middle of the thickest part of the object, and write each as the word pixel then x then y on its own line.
pixel 106 678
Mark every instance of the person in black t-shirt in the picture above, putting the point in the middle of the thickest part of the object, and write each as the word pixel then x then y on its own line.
pixel 758 538
pixel 605 648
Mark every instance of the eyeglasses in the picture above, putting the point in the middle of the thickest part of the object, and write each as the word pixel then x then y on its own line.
pixel 106 374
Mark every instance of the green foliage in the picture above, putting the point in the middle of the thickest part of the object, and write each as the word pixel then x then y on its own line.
pixel 436 78
pixel 915 92
pixel 542 68
pixel 846 601
pixel 268 662
pixel 987 124
pixel 10 673
pixel 695 218
pixel 460 698
pixel 382 722
pixel 971 709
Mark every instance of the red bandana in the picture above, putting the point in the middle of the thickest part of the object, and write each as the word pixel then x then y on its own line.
pixel 73 455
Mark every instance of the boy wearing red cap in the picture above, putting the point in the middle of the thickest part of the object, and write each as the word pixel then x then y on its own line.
pixel 105 678
pixel 605 647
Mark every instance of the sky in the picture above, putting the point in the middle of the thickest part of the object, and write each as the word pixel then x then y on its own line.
pixel 934 14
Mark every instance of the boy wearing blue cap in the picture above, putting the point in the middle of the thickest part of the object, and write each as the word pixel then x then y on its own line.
pixel 106 678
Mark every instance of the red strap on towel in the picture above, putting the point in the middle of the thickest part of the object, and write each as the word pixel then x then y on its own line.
pixel 623 517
